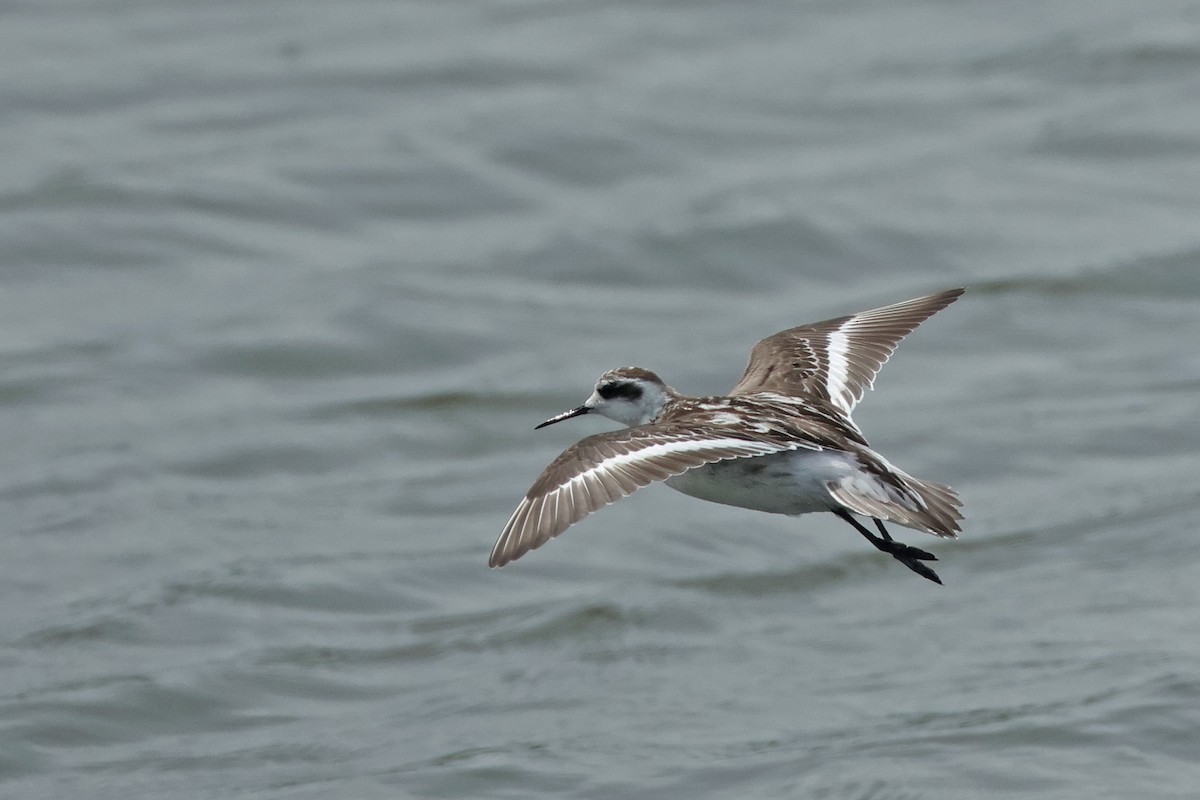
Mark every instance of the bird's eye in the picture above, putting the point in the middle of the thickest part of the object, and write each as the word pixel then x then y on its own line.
pixel 626 391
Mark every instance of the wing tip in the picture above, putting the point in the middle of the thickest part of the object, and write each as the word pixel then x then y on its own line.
pixel 951 295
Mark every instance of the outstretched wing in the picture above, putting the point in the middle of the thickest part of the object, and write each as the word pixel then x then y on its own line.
pixel 838 359
pixel 602 469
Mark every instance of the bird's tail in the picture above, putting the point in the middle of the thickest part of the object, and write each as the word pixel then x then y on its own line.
pixel 902 499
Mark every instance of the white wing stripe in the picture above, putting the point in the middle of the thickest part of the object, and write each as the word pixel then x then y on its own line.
pixel 587 491
pixel 679 446
pixel 836 387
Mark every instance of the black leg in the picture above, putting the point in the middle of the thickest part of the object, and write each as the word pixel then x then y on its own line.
pixel 910 557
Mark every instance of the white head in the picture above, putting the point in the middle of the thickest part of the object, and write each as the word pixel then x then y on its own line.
pixel 629 395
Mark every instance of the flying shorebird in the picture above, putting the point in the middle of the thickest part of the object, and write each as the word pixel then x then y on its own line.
pixel 782 441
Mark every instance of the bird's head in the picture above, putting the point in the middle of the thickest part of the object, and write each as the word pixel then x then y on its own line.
pixel 629 395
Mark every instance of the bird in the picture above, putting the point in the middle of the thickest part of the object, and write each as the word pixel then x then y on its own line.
pixel 782 441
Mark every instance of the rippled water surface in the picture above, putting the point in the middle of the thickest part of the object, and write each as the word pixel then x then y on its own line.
pixel 284 288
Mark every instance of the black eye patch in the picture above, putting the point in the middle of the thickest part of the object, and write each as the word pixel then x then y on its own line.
pixel 626 391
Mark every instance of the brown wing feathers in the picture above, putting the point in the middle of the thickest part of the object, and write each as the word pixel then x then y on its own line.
pixel 604 468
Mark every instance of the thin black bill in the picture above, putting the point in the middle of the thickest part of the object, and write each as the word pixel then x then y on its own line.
pixel 574 412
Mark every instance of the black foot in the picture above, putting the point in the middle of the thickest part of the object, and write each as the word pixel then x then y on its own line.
pixel 907 555
pixel 912 557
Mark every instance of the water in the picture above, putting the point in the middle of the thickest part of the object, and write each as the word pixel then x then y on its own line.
pixel 286 287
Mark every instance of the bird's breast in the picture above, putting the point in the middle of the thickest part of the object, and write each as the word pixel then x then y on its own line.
pixel 793 482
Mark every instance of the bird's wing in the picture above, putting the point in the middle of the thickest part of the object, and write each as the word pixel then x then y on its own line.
pixel 836 360
pixel 602 469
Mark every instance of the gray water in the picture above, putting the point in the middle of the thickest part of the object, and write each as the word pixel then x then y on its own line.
pixel 285 287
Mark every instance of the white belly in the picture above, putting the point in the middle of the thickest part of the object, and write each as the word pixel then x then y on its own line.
pixel 781 483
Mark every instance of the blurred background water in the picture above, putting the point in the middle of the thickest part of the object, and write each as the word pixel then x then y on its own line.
pixel 284 288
